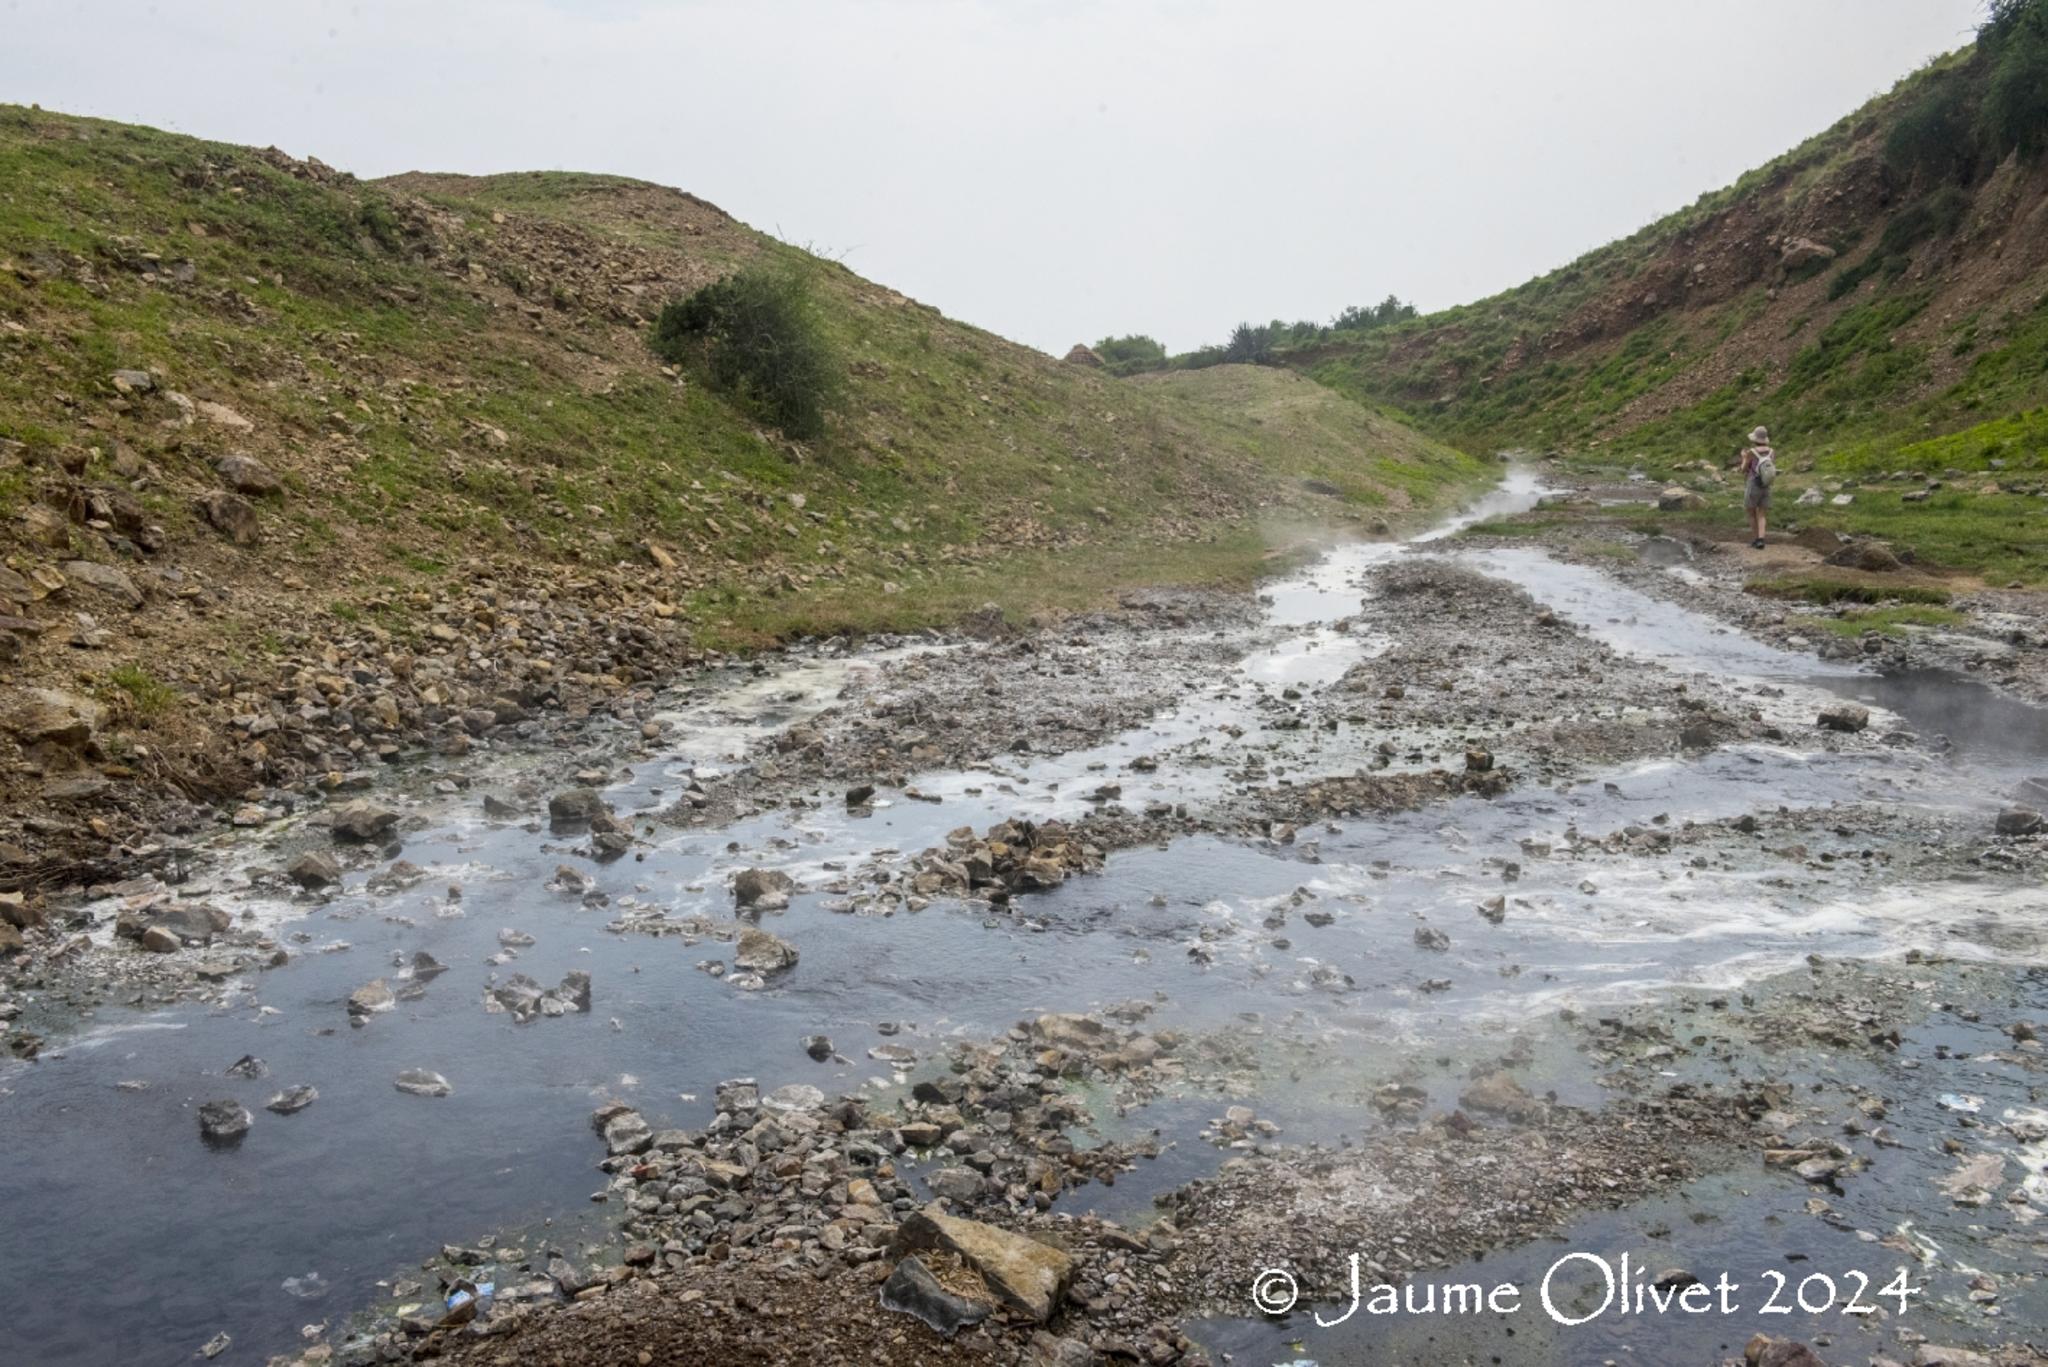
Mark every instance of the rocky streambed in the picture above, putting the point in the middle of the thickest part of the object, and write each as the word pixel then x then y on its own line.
pixel 1030 999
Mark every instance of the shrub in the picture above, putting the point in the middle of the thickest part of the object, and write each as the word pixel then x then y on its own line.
pixel 1131 354
pixel 1934 136
pixel 149 695
pixel 1249 344
pixel 2015 112
pixel 756 336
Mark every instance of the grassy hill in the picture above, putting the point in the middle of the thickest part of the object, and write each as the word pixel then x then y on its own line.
pixel 1878 296
pixel 477 456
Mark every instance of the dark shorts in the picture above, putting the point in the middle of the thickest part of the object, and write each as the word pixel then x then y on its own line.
pixel 1757 494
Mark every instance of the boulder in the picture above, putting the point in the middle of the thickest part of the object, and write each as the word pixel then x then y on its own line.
pixel 38 715
pixel 224 1122
pixel 292 1100
pixel 574 808
pixel 1677 498
pixel 2019 821
pixel 762 889
pixel 761 952
pixel 248 475
pixel 1798 252
pixel 1872 557
pixel 1027 1276
pixel 1071 1031
pixel 369 999
pixel 112 582
pixel 1846 717
pixel 1764 1351
pixel 421 1082
pixel 234 518
pixel 314 869
pixel 362 820
pixel 1497 1093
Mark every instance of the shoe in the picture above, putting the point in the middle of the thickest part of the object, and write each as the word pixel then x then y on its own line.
pixel 1757 544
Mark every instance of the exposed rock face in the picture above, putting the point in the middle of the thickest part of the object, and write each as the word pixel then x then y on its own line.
pixel 1027 1276
pixel 1798 252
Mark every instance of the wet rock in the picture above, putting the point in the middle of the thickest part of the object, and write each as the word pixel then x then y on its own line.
pixel 575 808
pixel 860 794
pixel 362 821
pixel 912 1289
pixel 248 1066
pixel 2019 821
pixel 1765 1351
pixel 818 1047
pixel 314 869
pixel 1846 717
pixel 224 1122
pixel 369 999
pixel 761 952
pixel 963 1185
pixel 425 967
pixel 627 1133
pixel 1494 909
pixel 158 940
pixel 292 1100
pixel 1025 1275
pixel 1498 1093
pixel 1429 937
pixel 524 998
pixel 762 889
pixel 421 1082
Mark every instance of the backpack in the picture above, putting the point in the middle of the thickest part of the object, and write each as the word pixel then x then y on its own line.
pixel 1766 468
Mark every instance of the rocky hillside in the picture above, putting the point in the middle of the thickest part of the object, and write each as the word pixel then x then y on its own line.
pixel 298 471
pixel 1878 296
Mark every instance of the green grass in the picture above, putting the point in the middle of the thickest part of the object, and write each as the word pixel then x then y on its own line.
pixel 146 694
pixel 1824 589
pixel 1886 621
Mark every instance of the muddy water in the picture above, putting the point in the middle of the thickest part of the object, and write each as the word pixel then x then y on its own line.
pixel 128 1240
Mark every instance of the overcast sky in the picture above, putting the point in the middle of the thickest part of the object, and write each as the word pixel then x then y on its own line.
pixel 1054 170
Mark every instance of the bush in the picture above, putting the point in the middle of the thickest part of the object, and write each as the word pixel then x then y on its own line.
pixel 1934 137
pixel 756 336
pixel 1249 344
pixel 2015 112
pixel 1131 354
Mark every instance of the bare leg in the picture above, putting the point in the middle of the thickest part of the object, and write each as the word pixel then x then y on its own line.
pixel 1762 516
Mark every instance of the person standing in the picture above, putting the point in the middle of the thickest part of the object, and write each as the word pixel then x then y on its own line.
pixel 1758 465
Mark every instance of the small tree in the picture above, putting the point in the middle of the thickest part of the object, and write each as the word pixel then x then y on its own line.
pixel 756 336
pixel 1130 354
pixel 1249 344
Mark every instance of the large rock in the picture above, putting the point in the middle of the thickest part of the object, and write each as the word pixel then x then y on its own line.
pixel 369 999
pixel 248 475
pixel 314 869
pixel 224 1122
pixel 362 820
pixel 1677 498
pixel 39 715
pixel 1081 354
pixel 234 518
pixel 1027 1276
pixel 1846 717
pixel 1499 1094
pixel 2019 821
pixel 112 582
pixel 576 807
pixel 762 952
pixel 1798 252
pixel 1066 1030
pixel 762 889
pixel 421 1082
pixel 1872 557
